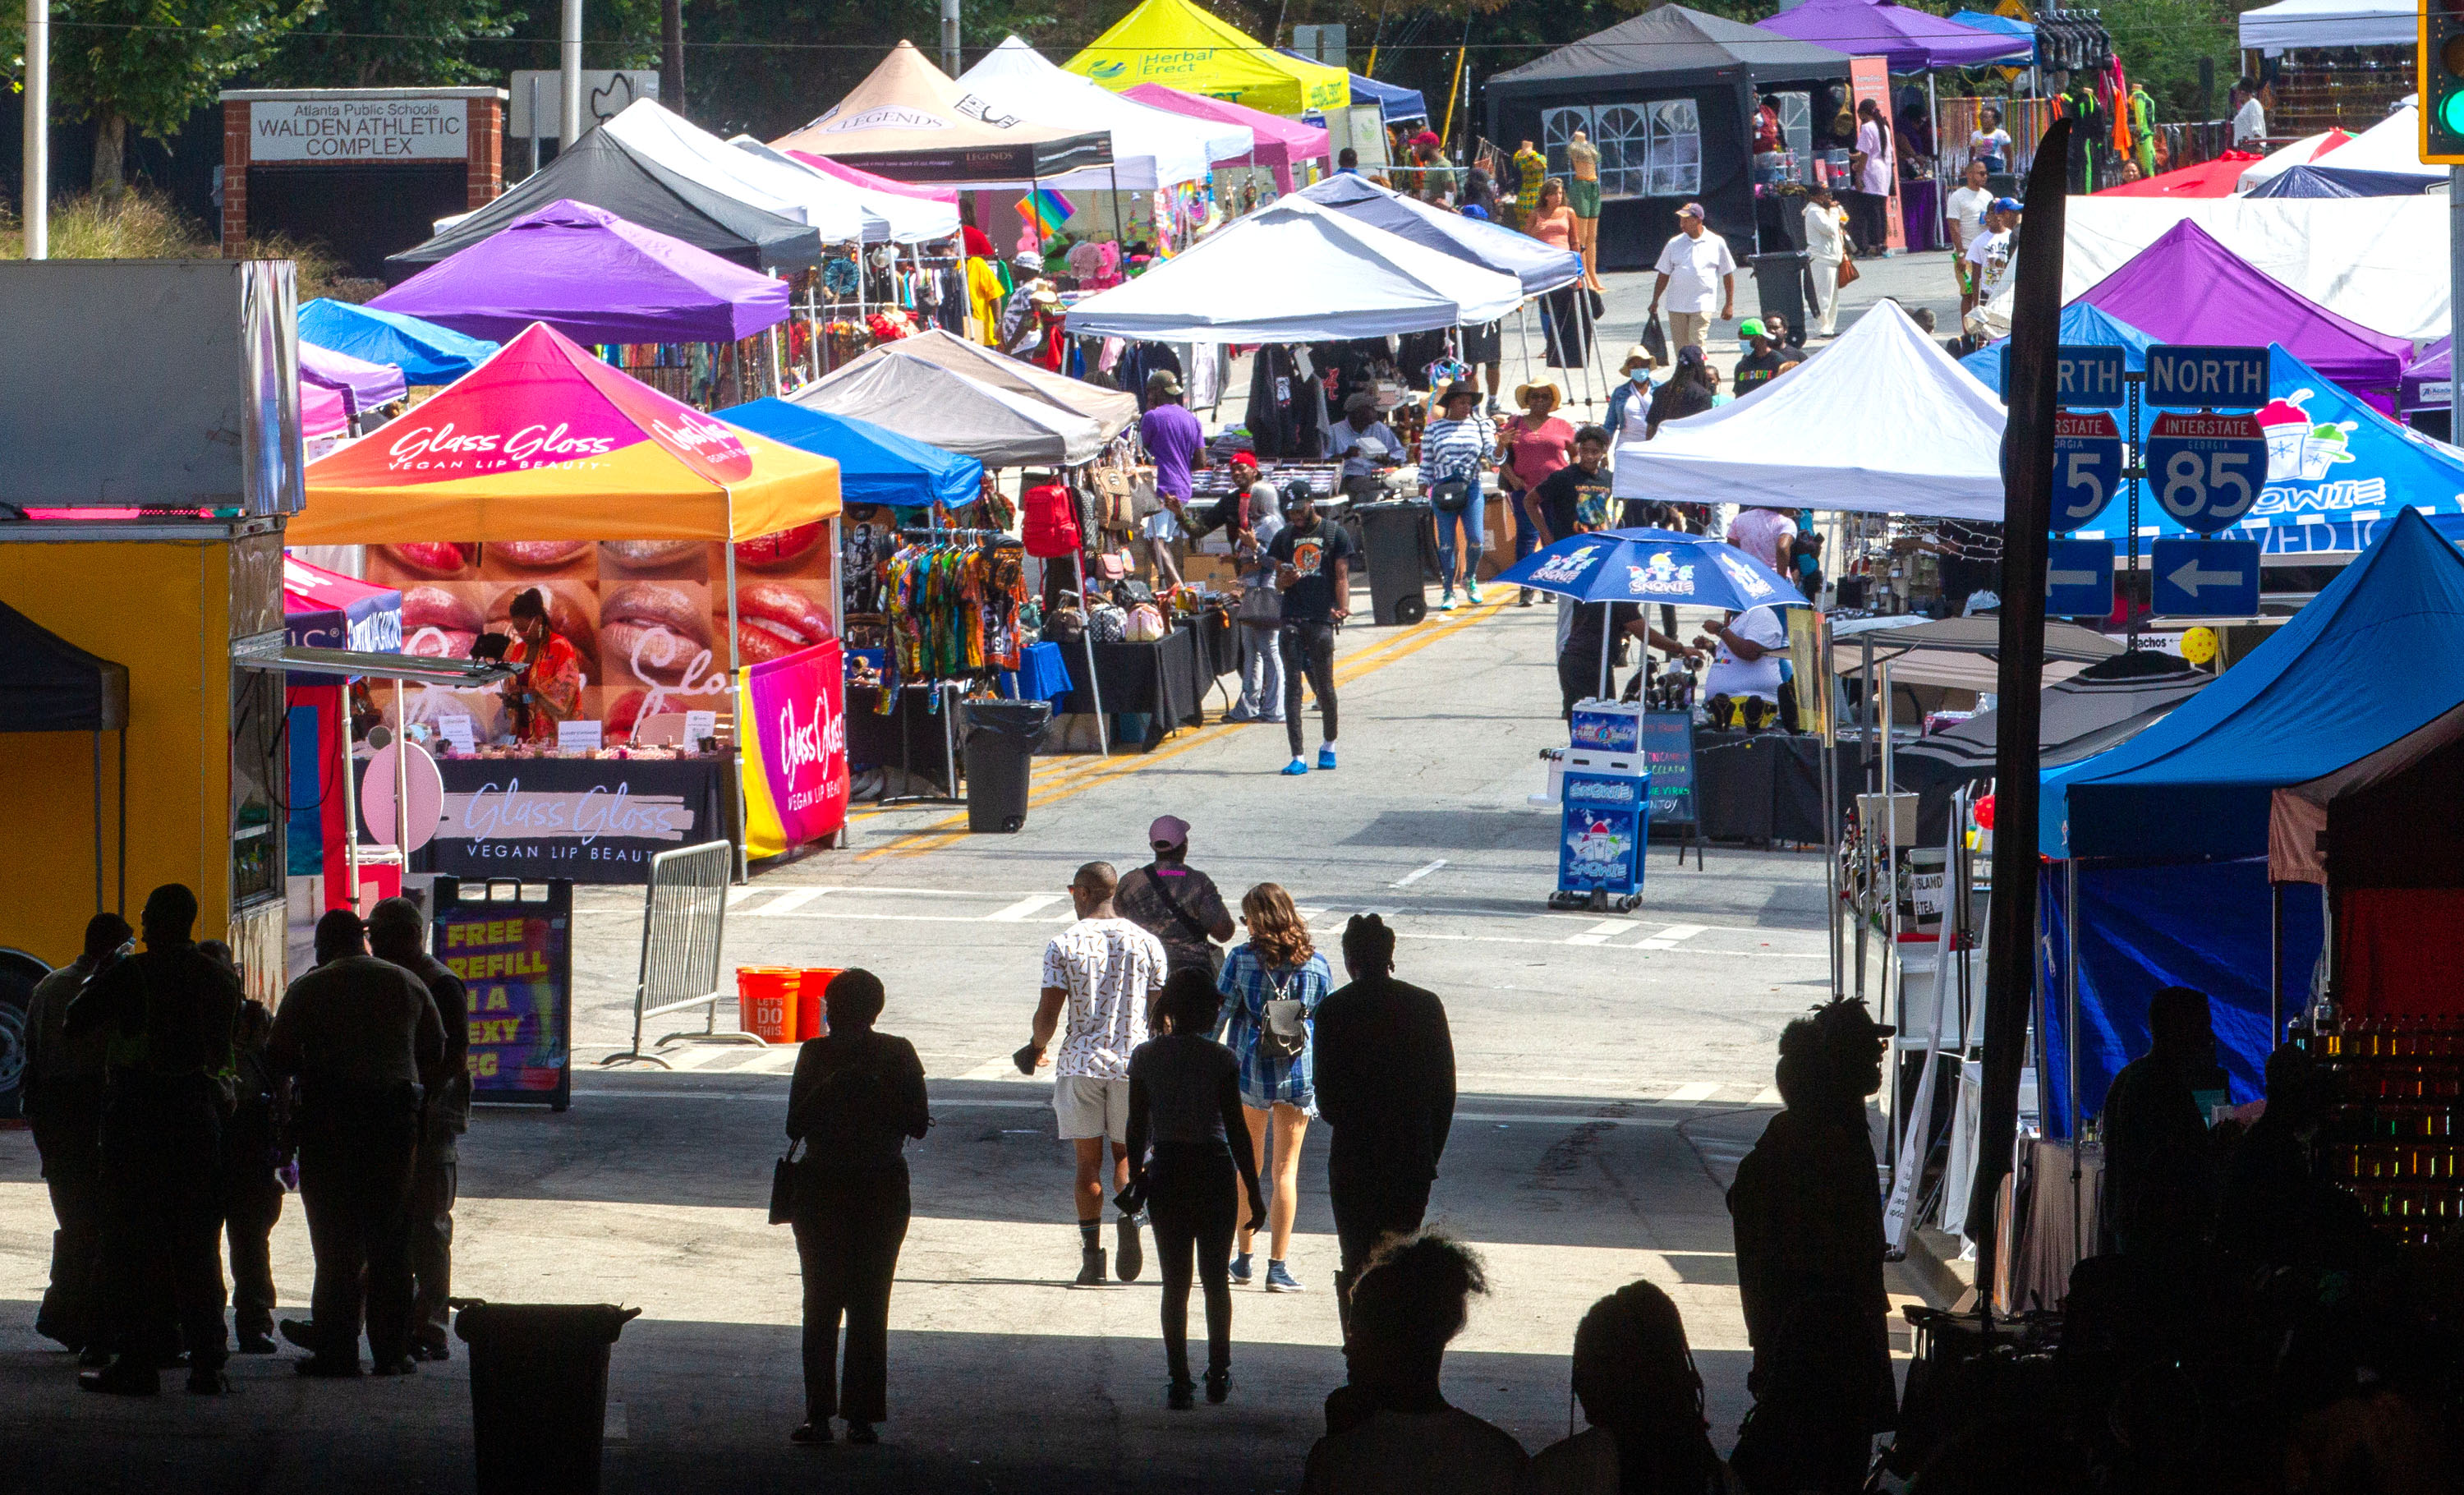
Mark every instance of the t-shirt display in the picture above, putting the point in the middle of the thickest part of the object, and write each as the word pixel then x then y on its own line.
pixel 1312 553
pixel 1733 677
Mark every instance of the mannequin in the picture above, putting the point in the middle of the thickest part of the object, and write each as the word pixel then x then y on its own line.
pixel 1583 194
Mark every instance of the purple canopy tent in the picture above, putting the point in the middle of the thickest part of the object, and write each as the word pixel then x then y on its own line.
pixel 2436 365
pixel 1912 40
pixel 2187 288
pixel 594 278
pixel 365 386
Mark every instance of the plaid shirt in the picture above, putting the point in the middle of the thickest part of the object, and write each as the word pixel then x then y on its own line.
pixel 1247 986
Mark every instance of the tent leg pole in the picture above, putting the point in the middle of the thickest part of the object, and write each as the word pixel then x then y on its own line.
pixel 1830 750
pixel 735 687
pixel 1608 636
pixel 1894 983
pixel 1522 332
pixel 2070 1041
pixel 2275 964
pixel 350 807
pixel 1086 640
pixel 98 819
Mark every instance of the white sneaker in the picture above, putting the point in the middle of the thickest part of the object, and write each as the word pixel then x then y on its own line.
pixel 1446 604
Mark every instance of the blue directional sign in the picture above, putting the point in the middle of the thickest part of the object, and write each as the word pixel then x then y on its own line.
pixel 2087 466
pixel 2184 377
pixel 2087 376
pixel 2205 578
pixel 2206 470
pixel 2078 578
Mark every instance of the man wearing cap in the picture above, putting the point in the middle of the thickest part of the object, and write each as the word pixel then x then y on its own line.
pixel 1990 258
pixel 1018 319
pixel 1171 437
pixel 1760 360
pixel 1696 274
pixel 1364 444
pixel 1175 902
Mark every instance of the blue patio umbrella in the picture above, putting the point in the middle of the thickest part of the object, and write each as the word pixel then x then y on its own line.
pixel 1644 565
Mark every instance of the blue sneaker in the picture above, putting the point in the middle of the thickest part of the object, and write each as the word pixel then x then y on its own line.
pixel 1241 1269
pixel 1325 756
pixel 1280 1279
pixel 1295 768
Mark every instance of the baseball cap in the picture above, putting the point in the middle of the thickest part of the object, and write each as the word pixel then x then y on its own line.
pixel 1163 382
pixel 1168 831
pixel 1244 459
pixel 1751 327
pixel 1690 210
pixel 2006 205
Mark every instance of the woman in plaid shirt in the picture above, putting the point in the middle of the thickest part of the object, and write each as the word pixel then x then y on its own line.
pixel 1278 964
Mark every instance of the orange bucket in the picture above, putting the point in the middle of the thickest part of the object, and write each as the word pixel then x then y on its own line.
pixel 765 1001
pixel 812 1018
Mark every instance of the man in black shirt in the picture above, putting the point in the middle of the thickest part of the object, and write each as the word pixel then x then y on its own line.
pixel 1313 566
pixel 1755 367
pixel 1386 1082
pixel 398 933
pixel 1561 494
pixel 1593 628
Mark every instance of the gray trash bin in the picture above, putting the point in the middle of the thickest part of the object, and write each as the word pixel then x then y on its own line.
pixel 1001 740
pixel 1395 536
pixel 1779 288
pixel 538 1392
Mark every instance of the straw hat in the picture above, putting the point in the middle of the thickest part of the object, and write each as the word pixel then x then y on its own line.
pixel 1637 356
pixel 1522 394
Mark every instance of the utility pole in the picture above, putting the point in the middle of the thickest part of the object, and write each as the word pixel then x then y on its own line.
pixel 37 204
pixel 671 54
pixel 569 89
pixel 950 58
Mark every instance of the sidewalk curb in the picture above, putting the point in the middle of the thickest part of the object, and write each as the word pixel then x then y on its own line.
pixel 1934 1267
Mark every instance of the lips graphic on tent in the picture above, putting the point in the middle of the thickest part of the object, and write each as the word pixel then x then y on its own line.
pixel 2300 450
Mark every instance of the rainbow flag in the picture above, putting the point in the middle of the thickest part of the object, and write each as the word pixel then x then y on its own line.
pixel 1045 210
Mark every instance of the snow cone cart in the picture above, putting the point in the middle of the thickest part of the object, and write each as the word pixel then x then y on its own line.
pixel 1605 819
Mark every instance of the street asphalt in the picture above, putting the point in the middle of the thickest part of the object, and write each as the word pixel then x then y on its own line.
pixel 1612 1069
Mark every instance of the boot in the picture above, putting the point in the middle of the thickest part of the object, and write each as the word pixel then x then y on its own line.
pixel 1091 1267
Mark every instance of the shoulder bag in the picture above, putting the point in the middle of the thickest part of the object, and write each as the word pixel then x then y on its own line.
pixel 782 1185
pixel 1187 921
pixel 1262 603
pixel 1848 269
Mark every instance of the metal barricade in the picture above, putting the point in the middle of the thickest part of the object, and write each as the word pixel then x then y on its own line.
pixel 683 920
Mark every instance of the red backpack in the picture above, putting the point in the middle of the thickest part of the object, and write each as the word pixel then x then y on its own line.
pixel 1049 522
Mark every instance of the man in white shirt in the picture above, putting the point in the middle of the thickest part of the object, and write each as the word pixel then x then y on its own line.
pixel 1962 222
pixel 1696 273
pixel 1989 259
pixel 1746 665
pixel 2249 120
pixel 1100 972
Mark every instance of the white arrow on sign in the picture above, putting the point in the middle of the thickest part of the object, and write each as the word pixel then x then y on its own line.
pixel 2054 579
pixel 2190 578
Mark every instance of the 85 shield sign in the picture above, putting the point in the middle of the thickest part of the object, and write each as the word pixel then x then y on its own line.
pixel 2206 470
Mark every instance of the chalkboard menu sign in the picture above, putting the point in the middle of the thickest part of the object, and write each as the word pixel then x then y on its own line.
pixel 1669 750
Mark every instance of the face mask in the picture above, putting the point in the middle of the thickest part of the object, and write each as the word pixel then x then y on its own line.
pixel 1641 376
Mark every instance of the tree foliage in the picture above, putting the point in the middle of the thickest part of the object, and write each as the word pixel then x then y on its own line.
pixel 398 44
pixel 152 63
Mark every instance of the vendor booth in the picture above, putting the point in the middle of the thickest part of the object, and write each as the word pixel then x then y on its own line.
pixel 2313 779
pixel 927 403
pixel 425 353
pixel 1151 148
pixel 322 609
pixel 1289 149
pixel 1183 46
pixel 876 465
pixel 1491 246
pixel 908 120
pixel 842 212
pixel 1668 99
pixel 674 552
pixel 364 386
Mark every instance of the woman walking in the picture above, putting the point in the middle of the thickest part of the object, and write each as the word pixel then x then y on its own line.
pixel 856 1097
pixel 1273 984
pixel 1530 446
pixel 1185 1100
pixel 1455 448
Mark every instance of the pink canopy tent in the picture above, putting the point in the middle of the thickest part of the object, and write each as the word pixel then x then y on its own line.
pixel 1282 143
pixel 876 183
pixel 322 412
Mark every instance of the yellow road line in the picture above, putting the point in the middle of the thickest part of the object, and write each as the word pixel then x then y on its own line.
pixel 1066 785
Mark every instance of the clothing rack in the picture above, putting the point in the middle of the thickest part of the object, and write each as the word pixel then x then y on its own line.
pixel 1086 637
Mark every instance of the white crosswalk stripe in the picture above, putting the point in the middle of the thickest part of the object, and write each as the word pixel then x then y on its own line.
pixel 1669 938
pixel 1602 933
pixel 787 902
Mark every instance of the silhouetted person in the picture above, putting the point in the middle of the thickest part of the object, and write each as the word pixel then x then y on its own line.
pixel 1634 1376
pixel 61 1096
pixel 357 1033
pixel 1391 1430
pixel 857 1096
pixel 1386 1084
pixel 398 933
pixel 251 1151
pixel 2159 1176
pixel 167 1014
pixel 1809 1433
pixel 1185 1100
pixel 1807 1213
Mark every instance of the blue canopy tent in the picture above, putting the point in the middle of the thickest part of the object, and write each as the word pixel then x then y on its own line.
pixel 1986 21
pixel 1395 102
pixel 2167 837
pixel 2336 470
pixel 2340 182
pixel 425 353
pixel 875 465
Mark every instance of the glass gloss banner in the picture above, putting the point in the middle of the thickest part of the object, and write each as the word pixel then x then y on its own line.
pixel 796 775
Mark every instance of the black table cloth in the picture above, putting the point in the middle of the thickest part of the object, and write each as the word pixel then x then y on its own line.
pixel 1764 785
pixel 592 820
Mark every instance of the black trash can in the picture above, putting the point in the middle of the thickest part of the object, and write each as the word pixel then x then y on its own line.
pixel 538 1392
pixel 1393 536
pixel 1779 289
pixel 1001 740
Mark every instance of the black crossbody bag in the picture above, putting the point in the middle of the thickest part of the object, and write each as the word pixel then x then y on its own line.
pixel 1196 931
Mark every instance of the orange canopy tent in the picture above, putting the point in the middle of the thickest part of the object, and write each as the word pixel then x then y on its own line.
pixel 544 442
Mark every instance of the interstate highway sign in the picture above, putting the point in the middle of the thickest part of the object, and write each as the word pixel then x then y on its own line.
pixel 2206 470
pixel 2205 578
pixel 2186 377
pixel 2087 466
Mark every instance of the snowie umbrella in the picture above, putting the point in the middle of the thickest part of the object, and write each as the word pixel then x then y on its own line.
pixel 1650 566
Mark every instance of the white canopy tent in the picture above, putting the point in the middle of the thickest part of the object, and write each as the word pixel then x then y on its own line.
pixel 2381 261
pixel 1015 77
pixel 923 401
pixel 2284 158
pixel 843 212
pixel 1881 421
pixel 2391 146
pixel 2329 23
pixel 911 220
pixel 1298 273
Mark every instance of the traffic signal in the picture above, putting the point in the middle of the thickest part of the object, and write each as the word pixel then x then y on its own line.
pixel 2439 71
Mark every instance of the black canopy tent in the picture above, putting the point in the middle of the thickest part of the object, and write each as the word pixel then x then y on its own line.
pixel 48 684
pixel 603 172
pixel 1668 99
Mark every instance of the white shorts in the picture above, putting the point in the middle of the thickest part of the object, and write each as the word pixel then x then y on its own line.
pixel 1160 525
pixel 1089 1109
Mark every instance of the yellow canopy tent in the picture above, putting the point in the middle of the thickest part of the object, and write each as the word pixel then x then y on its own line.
pixel 1175 43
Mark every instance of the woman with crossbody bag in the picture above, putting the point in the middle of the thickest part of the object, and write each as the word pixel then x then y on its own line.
pixel 1260 612
pixel 1272 986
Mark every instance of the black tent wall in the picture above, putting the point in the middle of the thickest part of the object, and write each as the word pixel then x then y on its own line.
pixel 1633 229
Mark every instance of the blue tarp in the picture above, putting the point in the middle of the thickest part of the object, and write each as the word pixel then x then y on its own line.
pixel 2336 470
pixel 2376 656
pixel 875 465
pixel 1493 245
pixel 1395 102
pixel 425 353
pixel 2339 182
pixel 2142 927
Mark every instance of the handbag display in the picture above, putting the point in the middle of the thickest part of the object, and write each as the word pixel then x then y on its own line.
pixel 1145 623
pixel 1112 566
